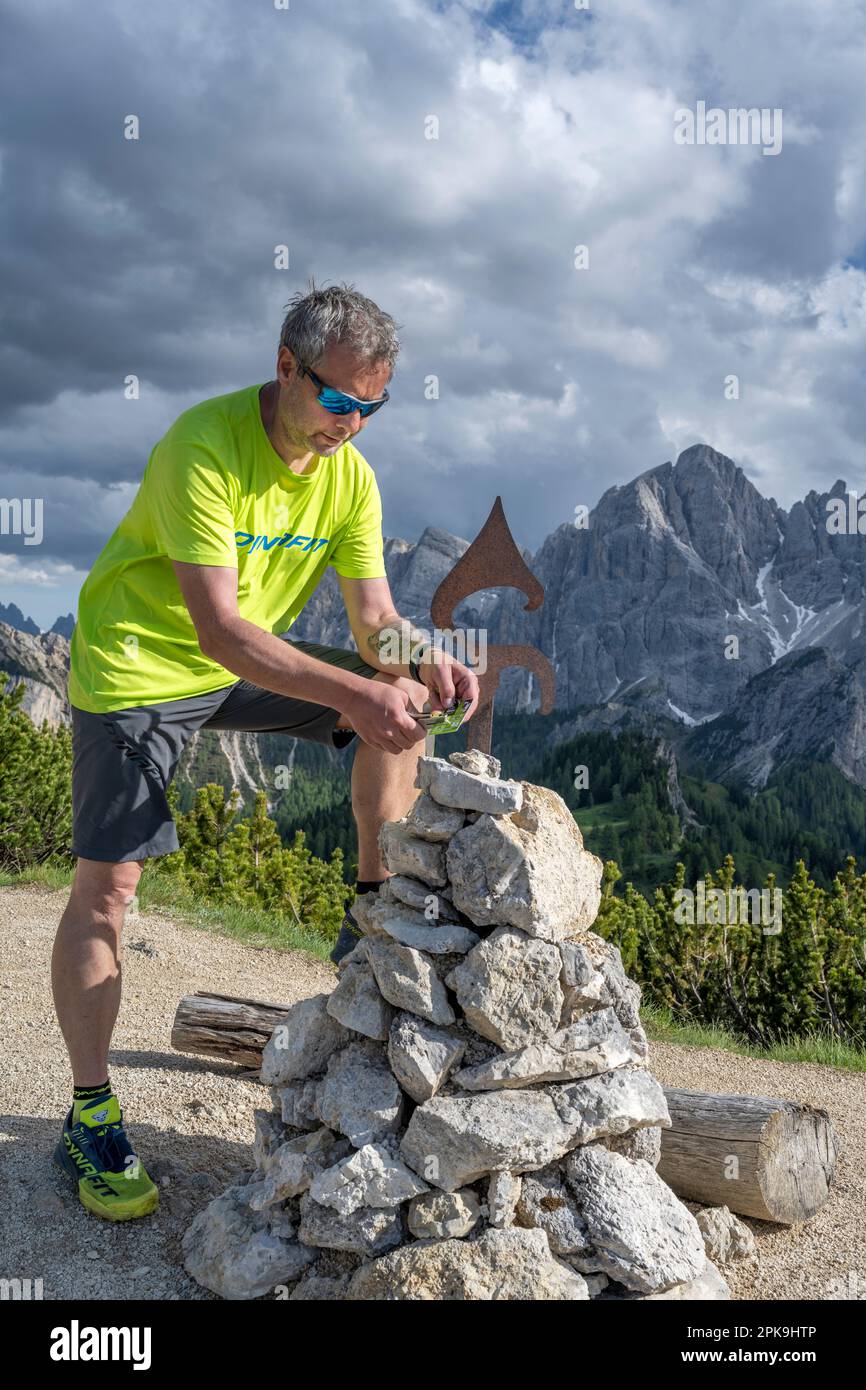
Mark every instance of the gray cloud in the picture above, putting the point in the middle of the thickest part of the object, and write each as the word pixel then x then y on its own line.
pixel 306 127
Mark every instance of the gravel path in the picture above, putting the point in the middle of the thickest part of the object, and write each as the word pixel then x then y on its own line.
pixel 192 1121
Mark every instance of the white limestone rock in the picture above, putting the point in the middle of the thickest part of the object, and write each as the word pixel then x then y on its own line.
pixel 503 1194
pixel 227 1250
pixel 609 1104
pixel 408 981
pixel 542 880
pixel 617 988
pixel 707 1286
pixel 279 1220
pixel 624 993
pixel 405 853
pixel 583 986
pixel 448 939
pixel 473 760
pixel 301 1045
pixel 421 1055
pixel 359 1097
pixel 370 1177
pixel 645 1142
pixel 357 956
pixel 508 987
pixel 357 1002
pixel 597 1043
pixel 639 1042
pixel 410 928
pixel 546 1202
pixel 725 1236
pixel 641 1233
pixel 294 1165
pixel 371 919
pixel 511 1265
pixel 443 1215
pixel 432 821
pixel 270 1134
pixel 367 1231
pixel 434 904
pixel 364 910
pixel 299 1102
pixel 452 1141
pixel 468 791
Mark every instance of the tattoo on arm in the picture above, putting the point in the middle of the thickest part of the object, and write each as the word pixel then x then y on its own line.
pixel 397 637
pixel 378 639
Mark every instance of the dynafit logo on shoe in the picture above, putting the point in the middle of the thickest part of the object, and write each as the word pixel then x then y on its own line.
pixel 100 1115
pixel 248 542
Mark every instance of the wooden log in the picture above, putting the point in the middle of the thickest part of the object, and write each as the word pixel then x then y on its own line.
pixel 225 1027
pixel 766 1158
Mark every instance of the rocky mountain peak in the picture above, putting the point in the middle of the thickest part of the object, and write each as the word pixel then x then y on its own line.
pixel 11 614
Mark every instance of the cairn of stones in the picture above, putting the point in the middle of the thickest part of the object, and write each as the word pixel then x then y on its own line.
pixel 469 1114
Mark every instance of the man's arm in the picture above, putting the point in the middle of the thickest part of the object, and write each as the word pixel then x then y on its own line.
pixel 379 631
pixel 389 642
pixel 377 710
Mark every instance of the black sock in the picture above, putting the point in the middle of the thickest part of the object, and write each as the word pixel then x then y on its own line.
pixel 363 885
pixel 368 885
pixel 91 1092
pixel 83 1095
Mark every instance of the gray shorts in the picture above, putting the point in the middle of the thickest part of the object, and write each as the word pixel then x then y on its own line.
pixel 123 761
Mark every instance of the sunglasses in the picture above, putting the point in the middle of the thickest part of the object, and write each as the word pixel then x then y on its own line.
pixel 337 402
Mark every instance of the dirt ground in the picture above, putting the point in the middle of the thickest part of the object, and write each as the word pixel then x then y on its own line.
pixel 192 1123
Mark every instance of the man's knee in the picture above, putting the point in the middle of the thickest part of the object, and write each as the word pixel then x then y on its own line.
pixel 107 888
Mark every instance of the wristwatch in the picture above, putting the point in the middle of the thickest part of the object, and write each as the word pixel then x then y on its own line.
pixel 414 653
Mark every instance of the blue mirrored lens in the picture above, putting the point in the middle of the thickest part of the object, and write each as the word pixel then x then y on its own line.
pixel 339 404
pixel 336 402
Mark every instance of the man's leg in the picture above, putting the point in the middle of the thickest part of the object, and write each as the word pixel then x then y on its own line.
pixel 122 764
pixel 85 963
pixel 383 785
pixel 94 1149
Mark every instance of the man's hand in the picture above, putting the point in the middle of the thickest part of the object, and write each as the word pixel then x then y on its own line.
pixel 379 715
pixel 447 678
pixel 371 612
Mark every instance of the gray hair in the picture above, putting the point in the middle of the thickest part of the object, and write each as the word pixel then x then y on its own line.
pixel 319 317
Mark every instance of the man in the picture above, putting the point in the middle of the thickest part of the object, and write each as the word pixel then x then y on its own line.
pixel 182 626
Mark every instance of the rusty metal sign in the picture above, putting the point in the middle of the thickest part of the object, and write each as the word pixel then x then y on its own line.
pixel 493 561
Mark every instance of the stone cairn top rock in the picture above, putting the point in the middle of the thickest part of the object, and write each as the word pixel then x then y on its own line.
pixel 469 1114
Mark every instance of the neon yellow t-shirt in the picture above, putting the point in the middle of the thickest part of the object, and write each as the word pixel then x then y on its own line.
pixel 215 492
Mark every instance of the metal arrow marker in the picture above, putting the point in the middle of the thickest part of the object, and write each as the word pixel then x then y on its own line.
pixel 493 561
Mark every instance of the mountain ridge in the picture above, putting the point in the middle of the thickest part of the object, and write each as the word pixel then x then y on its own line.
pixel 664 612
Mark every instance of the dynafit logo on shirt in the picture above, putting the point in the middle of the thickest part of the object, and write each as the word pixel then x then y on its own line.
pixel 247 542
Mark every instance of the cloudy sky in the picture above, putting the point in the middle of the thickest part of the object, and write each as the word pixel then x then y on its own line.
pixel 308 126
